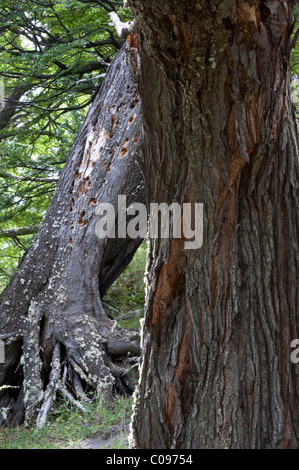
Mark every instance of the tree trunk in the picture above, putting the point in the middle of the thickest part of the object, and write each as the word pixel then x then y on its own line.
pixel 220 129
pixel 58 335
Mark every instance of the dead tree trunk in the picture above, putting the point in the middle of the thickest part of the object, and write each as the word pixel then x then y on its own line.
pixel 220 129
pixel 58 336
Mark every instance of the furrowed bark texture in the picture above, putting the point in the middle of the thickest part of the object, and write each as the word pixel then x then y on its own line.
pixel 57 333
pixel 220 129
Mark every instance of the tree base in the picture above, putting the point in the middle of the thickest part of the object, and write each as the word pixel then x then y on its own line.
pixel 81 363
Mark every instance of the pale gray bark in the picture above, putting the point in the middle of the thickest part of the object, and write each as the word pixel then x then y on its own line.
pixel 53 302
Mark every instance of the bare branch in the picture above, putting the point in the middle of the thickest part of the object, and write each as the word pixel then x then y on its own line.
pixel 122 29
pixel 18 231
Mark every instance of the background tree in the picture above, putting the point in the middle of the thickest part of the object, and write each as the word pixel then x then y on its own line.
pixel 54 56
pixel 220 128
pixel 58 337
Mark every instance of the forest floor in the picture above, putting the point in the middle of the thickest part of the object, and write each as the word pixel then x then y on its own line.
pixel 119 437
pixel 103 426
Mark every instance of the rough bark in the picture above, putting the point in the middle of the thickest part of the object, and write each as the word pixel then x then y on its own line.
pixel 57 334
pixel 220 129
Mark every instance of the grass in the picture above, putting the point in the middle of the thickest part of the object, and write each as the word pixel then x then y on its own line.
pixel 67 427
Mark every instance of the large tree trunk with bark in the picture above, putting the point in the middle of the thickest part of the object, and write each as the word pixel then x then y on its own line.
pixel 58 336
pixel 220 129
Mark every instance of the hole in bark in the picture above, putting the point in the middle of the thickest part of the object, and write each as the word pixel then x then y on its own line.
pixel 81 221
pixel 227 23
pixel 92 202
pixel 123 152
pixel 72 205
pixel 73 182
pixel 134 102
pixel 132 119
pixel 265 11
pixel 124 149
pixel 119 106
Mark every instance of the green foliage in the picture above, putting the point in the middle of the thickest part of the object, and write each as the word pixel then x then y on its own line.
pixel 54 54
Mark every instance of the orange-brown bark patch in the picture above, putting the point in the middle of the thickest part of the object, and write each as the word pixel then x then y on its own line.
pixel 170 403
pixel 185 35
pixel 132 39
pixel 248 16
pixel 168 281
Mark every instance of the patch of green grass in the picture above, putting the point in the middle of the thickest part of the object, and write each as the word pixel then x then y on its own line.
pixel 71 427
pixel 127 294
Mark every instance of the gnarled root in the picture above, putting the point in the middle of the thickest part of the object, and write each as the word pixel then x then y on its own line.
pixel 72 360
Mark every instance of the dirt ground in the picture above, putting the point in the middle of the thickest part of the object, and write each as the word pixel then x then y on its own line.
pixel 118 438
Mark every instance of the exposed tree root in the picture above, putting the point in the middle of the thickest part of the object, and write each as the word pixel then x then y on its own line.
pixel 71 372
pixel 50 392
pixel 67 356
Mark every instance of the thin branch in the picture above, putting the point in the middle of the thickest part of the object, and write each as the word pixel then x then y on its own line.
pixel 18 231
pixel 6 174
pixel 8 335
pixel 294 40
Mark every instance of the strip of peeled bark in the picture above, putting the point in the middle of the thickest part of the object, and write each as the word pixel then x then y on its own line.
pixel 220 129
pixel 53 302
